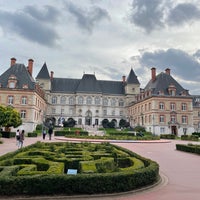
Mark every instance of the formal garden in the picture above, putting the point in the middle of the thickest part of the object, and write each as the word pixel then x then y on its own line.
pixel 74 168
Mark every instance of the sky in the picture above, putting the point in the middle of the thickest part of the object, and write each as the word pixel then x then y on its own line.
pixel 104 37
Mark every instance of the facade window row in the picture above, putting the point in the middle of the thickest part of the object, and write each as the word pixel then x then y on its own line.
pixel 88 101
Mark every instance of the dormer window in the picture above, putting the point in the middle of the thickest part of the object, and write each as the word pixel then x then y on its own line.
pixel 172 90
pixel 12 81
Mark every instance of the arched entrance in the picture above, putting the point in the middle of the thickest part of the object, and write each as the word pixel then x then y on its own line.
pixel 88 118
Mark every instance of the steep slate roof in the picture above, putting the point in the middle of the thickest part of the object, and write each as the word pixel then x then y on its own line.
pixel 132 78
pixel 43 73
pixel 162 82
pixel 22 75
pixel 88 84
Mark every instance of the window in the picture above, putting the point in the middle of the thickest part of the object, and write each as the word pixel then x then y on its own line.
pixel 172 106
pixel 54 100
pixel 63 100
pixel 11 85
pixel 121 113
pixel 162 130
pixel 23 114
pixel 89 100
pixel 105 101
pixel 121 103
pixel 113 102
pixel 80 100
pixel 104 112
pixel 184 106
pixel 71 101
pixel 184 119
pixel 173 119
pixel 10 100
pixel 113 112
pixel 161 106
pixel 162 119
pixel 62 111
pixel 97 100
pixel 53 111
pixel 24 100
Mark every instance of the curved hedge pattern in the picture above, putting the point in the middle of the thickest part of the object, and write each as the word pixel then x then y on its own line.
pixel 41 169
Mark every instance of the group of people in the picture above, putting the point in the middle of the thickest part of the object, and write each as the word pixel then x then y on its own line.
pixel 20 138
pixel 44 132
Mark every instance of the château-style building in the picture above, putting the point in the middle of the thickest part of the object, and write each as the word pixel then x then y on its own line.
pixel 162 107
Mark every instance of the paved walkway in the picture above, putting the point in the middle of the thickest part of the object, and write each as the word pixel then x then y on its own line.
pixel 179 171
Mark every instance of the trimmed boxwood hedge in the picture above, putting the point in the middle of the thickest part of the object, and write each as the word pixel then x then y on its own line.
pixel 139 171
pixel 191 148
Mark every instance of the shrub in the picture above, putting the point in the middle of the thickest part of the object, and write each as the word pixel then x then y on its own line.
pixel 32 134
pixel 167 136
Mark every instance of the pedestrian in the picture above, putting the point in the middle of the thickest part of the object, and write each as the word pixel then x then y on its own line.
pixel 50 131
pixel 17 137
pixel 44 132
pixel 21 139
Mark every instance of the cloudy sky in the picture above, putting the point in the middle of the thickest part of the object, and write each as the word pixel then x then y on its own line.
pixel 105 37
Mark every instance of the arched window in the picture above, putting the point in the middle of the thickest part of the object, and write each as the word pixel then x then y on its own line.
pixel 97 100
pixel 89 100
pixel 63 100
pixel 105 101
pixel 71 101
pixel 54 100
pixel 80 100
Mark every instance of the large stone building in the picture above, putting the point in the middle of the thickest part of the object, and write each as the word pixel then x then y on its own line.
pixel 162 107
pixel 87 100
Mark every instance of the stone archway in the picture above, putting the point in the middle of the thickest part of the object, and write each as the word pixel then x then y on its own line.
pixel 88 118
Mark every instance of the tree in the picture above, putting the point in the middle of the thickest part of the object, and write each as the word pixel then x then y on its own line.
pixel 9 117
pixel 105 123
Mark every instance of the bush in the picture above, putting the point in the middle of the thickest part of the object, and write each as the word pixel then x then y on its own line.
pixel 167 136
pixel 190 137
pixel 188 148
pixel 8 134
pixel 32 134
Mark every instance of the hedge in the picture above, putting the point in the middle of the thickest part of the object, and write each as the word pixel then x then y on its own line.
pixel 190 137
pixel 188 148
pixel 134 173
pixel 167 136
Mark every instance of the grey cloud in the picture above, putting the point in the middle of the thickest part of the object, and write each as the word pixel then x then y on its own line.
pixel 87 19
pixel 181 63
pixel 183 13
pixel 23 24
pixel 47 13
pixel 197 54
pixel 147 14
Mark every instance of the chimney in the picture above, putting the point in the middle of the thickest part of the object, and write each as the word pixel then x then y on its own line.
pixel 167 71
pixel 52 75
pixel 12 61
pixel 153 73
pixel 30 66
pixel 123 79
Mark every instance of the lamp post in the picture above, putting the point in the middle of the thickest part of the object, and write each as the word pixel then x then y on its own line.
pixel 153 124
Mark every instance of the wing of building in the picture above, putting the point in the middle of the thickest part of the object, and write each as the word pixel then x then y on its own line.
pixel 19 89
pixel 164 106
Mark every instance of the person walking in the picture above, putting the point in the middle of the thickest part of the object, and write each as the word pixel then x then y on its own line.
pixel 50 131
pixel 17 137
pixel 21 139
pixel 44 132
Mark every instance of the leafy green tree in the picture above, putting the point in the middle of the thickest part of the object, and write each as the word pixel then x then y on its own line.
pixel 9 117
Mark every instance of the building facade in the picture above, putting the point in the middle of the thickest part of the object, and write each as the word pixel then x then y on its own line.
pixel 87 100
pixel 162 107
pixel 19 90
